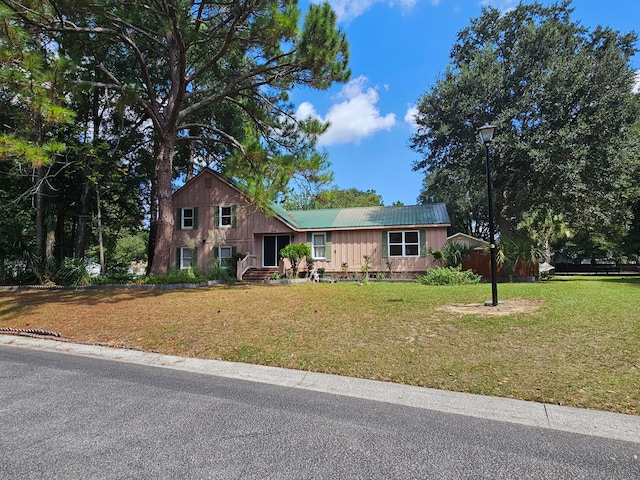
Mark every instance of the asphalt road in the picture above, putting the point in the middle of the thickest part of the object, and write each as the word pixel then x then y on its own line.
pixel 69 416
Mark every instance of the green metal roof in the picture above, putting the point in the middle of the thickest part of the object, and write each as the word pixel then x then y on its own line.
pixel 360 217
pixel 365 217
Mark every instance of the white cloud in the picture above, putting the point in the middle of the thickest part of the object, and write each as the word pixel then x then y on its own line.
pixel 410 116
pixel 306 110
pixel 347 10
pixel 354 117
pixel 502 5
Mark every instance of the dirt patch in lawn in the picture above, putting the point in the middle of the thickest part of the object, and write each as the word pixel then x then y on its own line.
pixel 506 307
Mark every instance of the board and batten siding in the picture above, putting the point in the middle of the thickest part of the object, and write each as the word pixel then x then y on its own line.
pixel 207 192
pixel 350 246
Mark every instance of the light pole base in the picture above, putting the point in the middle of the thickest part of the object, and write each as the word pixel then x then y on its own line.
pixel 489 303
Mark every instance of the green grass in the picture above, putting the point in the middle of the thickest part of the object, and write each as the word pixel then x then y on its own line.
pixel 581 347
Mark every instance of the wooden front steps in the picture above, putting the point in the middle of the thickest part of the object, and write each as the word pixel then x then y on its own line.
pixel 258 275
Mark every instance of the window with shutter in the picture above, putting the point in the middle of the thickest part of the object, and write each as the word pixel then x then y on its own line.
pixel 226 216
pixel 187 258
pixel 403 244
pixel 187 218
pixel 423 243
pixel 319 245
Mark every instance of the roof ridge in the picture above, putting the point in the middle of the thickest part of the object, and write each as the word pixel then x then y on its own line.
pixel 362 207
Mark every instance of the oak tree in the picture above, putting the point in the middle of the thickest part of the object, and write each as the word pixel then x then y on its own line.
pixel 561 97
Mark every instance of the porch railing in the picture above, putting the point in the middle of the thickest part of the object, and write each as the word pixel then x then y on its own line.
pixel 249 261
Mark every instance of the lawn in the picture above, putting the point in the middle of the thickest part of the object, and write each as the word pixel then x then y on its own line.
pixel 580 346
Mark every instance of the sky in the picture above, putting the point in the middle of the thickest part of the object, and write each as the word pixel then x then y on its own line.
pixel 399 48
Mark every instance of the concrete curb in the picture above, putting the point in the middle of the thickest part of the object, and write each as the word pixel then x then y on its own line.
pixel 610 425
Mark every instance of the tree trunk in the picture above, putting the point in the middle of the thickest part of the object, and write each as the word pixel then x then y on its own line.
pixel 153 224
pixel 60 249
pixel 166 133
pixel 547 248
pixel 100 242
pixel 39 206
pixel 83 218
pixel 504 227
pixel 49 248
pixel 164 169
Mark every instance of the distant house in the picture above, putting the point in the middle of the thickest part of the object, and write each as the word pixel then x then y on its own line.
pixel 468 241
pixel 215 219
pixel 479 260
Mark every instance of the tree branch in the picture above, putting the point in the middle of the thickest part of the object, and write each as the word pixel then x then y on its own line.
pixel 228 40
pixel 230 138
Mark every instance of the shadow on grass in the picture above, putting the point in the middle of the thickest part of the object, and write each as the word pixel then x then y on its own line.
pixel 621 279
pixel 15 302
pixel 627 279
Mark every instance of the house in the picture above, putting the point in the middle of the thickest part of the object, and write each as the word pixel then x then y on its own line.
pixel 468 241
pixel 479 261
pixel 215 219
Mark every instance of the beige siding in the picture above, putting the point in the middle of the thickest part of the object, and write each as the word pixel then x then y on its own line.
pixel 351 246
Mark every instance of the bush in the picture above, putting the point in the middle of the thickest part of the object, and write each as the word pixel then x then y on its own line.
pixel 231 265
pixel 295 252
pixel 113 278
pixel 130 248
pixel 519 256
pixel 452 254
pixel 455 253
pixel 449 276
pixel 72 272
pixel 224 271
pixel 175 276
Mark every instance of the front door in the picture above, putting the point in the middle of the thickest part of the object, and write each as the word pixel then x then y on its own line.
pixel 271 246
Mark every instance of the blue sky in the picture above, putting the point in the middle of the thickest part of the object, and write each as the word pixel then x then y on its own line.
pixel 398 50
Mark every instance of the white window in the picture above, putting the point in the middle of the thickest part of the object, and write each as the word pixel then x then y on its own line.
pixel 225 252
pixel 404 244
pixel 187 221
pixel 187 257
pixel 225 214
pixel 319 242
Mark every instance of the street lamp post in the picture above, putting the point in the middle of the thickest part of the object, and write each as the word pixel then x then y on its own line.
pixel 486 136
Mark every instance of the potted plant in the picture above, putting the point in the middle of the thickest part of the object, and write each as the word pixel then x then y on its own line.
pixel 309 261
pixel 345 270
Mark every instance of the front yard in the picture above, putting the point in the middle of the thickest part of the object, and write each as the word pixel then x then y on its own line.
pixel 577 342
